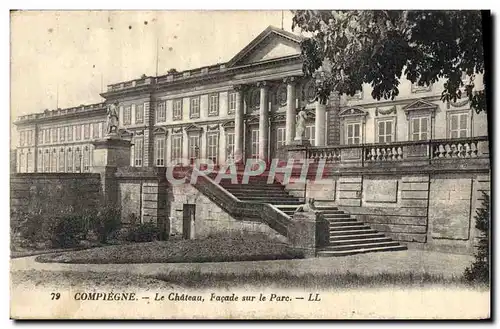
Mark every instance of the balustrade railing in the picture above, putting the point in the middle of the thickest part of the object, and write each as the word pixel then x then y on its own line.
pixel 471 147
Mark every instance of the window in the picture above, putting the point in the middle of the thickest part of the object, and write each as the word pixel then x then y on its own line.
pixel 86 131
pixel 212 147
pixel 20 164
pixel 231 108
pixel 459 125
pixel 30 162
pixel 230 145
pixel 139 113
pixel 280 137
pixel 138 151
pixel 39 164
pixel 95 130
pixel 193 147
pixel 61 160
pixel 177 112
pixel 160 151
pixel 311 134
pixel 53 135
pixel 385 131
pixel 213 104
pixel 22 138
pixel 127 115
pixel 353 133
pixel 46 136
pixel 29 136
pixel 419 128
pixel 69 162
pixel 78 160
pixel 53 161
pixel 255 143
pixel 194 108
pixel 176 148
pixel 40 137
pixel 78 134
pixel 86 159
pixel 62 135
pixel 161 112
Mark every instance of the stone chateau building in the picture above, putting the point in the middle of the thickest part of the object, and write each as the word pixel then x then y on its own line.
pixel 246 106
pixel 410 170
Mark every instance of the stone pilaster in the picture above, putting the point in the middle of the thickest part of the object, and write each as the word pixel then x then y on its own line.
pixel 290 108
pixel 320 123
pixel 333 129
pixel 264 121
pixel 238 124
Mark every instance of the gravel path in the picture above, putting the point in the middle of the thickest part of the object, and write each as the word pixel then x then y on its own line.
pixel 407 261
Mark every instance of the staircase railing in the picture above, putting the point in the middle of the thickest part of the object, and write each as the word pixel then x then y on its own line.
pixel 268 213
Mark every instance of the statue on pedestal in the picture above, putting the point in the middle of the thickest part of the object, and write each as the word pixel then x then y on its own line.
pixel 300 125
pixel 308 206
pixel 112 119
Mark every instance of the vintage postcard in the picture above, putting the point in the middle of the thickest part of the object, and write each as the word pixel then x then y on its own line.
pixel 250 164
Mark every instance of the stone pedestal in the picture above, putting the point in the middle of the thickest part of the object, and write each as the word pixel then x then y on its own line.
pixel 308 231
pixel 109 153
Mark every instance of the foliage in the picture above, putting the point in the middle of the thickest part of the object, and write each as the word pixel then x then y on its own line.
pixel 479 271
pixel 33 228
pixel 145 232
pixel 105 222
pixel 69 231
pixel 379 47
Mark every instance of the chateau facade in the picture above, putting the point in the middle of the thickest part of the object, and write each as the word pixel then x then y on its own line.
pixel 244 108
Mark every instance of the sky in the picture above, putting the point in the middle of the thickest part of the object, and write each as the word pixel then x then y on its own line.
pixel 64 59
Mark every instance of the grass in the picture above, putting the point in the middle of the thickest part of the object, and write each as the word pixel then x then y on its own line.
pixel 285 279
pixel 217 248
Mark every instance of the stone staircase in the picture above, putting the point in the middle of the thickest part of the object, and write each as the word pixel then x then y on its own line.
pixel 346 236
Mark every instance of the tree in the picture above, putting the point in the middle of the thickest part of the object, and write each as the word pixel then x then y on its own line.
pixel 379 47
pixel 479 271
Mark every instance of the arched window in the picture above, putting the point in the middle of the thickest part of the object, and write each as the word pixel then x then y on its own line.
pixel 53 161
pixel 62 158
pixel 69 162
pixel 78 160
pixel 86 159
pixel 39 163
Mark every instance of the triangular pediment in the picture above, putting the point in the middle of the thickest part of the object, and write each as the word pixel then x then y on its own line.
pixel 272 43
pixel 419 104
pixel 193 128
pixel 352 112
pixel 159 131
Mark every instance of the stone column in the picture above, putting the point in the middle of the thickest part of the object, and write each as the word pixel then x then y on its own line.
pixel 238 124
pixel 320 123
pixel 264 120
pixel 290 109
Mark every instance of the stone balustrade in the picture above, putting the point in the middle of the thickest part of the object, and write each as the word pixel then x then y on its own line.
pixel 471 147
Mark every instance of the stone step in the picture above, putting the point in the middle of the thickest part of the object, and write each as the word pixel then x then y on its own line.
pixel 356 236
pixel 351 241
pixel 351 232
pixel 360 245
pixel 330 253
pixel 268 199
pixel 270 187
pixel 336 216
pixel 268 194
pixel 349 228
pixel 346 223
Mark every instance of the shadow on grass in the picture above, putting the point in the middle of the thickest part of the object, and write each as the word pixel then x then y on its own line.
pixel 284 279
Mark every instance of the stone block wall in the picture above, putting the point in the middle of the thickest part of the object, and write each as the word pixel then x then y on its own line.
pixel 430 210
pixel 54 194
pixel 209 217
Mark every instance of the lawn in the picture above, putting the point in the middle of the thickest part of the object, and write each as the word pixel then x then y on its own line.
pixel 219 248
